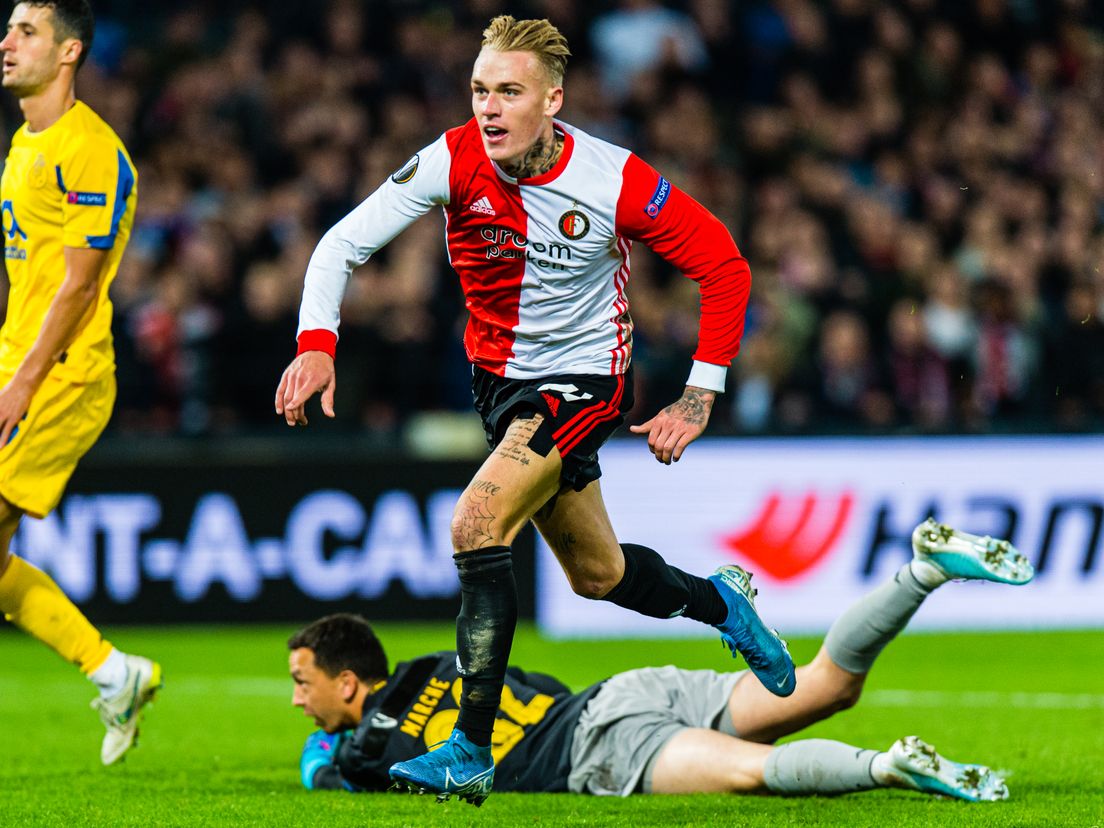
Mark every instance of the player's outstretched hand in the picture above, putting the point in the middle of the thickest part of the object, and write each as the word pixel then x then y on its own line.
pixel 678 425
pixel 318 752
pixel 308 374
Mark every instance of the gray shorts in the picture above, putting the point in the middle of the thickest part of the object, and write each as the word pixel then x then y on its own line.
pixel 630 719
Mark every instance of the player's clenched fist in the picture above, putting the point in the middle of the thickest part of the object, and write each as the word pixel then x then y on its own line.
pixel 308 374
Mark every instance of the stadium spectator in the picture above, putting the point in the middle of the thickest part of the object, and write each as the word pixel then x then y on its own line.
pixel 1004 355
pixel 1075 358
pixel 844 384
pixel 653 730
pixel 642 37
pixel 919 378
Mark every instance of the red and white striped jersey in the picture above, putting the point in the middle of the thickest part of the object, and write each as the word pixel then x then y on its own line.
pixel 544 261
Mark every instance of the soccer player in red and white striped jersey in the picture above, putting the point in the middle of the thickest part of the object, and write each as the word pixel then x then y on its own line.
pixel 541 218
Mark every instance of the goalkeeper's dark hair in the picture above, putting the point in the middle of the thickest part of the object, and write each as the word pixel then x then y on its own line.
pixel 343 641
pixel 72 18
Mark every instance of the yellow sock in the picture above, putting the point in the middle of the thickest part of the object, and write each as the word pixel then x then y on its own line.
pixel 31 600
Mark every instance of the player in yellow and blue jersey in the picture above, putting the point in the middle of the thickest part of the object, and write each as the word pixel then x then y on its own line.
pixel 68 195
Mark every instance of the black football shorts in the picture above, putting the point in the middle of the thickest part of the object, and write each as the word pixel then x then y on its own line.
pixel 581 412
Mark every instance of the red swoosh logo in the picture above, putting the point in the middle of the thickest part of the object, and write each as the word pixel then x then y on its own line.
pixel 786 543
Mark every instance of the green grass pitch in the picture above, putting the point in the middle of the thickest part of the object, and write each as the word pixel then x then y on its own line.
pixel 221 745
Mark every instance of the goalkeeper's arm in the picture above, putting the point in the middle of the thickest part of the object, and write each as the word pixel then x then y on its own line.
pixel 317 766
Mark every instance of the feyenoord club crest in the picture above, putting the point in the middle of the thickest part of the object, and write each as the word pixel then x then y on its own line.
pixel 574 225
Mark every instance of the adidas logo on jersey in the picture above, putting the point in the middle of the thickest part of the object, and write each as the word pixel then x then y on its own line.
pixel 483 205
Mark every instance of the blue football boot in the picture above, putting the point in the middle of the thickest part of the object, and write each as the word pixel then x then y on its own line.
pixel 744 632
pixel 962 555
pixel 913 763
pixel 455 767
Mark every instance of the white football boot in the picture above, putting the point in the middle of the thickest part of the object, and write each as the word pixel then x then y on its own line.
pixel 121 713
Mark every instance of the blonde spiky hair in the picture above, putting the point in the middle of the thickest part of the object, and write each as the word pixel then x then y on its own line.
pixel 541 38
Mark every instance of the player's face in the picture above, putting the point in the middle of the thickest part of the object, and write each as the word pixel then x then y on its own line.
pixel 32 58
pixel 513 101
pixel 323 697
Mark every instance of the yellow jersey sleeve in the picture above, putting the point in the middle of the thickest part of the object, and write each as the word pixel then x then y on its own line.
pixel 96 180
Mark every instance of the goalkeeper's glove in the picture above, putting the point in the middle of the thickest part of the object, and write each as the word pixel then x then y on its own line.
pixel 319 752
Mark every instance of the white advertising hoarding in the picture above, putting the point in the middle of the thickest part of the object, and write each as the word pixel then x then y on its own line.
pixel 821 522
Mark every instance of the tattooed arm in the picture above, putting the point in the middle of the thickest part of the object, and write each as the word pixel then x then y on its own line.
pixel 678 425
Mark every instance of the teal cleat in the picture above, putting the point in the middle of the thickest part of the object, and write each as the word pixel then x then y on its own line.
pixel 962 555
pixel 915 764
pixel 744 632
pixel 456 767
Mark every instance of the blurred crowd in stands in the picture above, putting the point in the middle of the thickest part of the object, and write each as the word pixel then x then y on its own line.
pixel 918 186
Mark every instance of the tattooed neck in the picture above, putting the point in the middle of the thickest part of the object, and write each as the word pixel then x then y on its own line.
pixel 540 158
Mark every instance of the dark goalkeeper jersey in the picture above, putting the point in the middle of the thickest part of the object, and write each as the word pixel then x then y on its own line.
pixel 419 705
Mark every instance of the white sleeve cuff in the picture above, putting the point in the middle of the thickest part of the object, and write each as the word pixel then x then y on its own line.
pixel 709 376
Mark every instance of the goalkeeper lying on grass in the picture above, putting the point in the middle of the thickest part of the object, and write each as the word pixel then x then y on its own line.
pixel 653 730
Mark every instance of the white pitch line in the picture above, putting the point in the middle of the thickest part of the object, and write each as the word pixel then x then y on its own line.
pixel 258 687
pixel 983 698
pixel 280 687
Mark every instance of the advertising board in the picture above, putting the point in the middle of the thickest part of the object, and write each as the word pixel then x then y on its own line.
pixel 820 522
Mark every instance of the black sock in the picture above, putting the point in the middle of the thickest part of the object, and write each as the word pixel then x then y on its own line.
pixel 652 587
pixel 484 633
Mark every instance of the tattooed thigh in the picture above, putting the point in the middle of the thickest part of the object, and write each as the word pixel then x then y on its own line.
pixel 512 485
pixel 515 445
